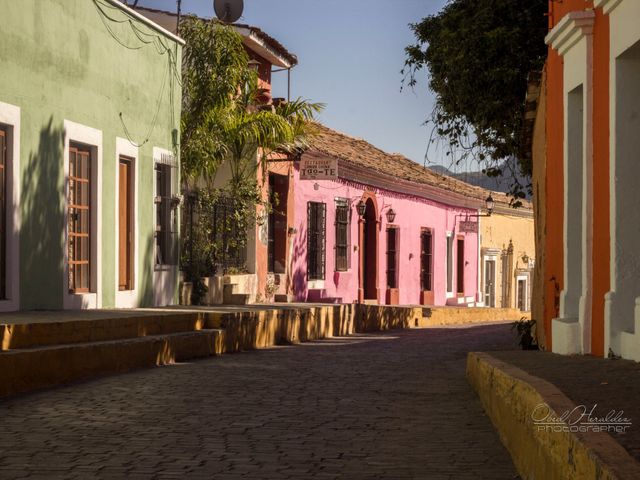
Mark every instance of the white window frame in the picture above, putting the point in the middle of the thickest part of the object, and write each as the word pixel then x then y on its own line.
pixel 165 275
pixel 10 117
pixel 91 137
pixel 488 257
pixel 124 148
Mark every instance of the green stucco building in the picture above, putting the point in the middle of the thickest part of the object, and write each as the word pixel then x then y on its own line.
pixel 89 175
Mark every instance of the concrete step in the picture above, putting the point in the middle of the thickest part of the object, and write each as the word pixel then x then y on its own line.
pixel 27 369
pixel 121 326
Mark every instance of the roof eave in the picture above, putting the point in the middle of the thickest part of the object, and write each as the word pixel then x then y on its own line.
pixel 258 44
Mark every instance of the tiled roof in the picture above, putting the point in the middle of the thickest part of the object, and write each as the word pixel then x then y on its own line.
pixel 359 152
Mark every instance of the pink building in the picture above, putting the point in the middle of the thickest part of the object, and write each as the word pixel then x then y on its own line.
pixel 407 247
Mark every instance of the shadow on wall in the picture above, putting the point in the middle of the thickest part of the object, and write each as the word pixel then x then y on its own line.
pixel 146 295
pixel 375 318
pixel 42 226
pixel 299 257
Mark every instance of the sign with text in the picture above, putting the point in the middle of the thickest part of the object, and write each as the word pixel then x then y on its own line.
pixel 469 227
pixel 318 169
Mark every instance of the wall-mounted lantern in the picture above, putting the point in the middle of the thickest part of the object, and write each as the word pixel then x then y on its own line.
pixel 391 215
pixel 361 207
pixel 490 204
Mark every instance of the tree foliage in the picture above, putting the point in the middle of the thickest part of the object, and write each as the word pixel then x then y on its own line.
pixel 223 120
pixel 221 117
pixel 478 54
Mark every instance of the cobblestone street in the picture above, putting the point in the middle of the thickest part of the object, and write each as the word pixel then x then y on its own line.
pixel 381 406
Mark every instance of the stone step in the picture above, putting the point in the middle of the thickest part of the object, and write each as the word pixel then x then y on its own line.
pixel 283 298
pixel 120 326
pixel 27 369
pixel 231 297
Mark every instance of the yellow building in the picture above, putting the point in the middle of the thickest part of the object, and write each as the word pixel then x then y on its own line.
pixel 507 250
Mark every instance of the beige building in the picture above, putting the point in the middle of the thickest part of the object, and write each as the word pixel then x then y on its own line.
pixel 507 250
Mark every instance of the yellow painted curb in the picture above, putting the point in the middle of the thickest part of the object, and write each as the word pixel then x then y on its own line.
pixel 510 395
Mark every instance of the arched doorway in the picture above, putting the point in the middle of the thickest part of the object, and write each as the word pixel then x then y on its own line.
pixel 369 252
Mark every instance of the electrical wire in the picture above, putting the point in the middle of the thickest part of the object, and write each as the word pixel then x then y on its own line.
pixel 146 39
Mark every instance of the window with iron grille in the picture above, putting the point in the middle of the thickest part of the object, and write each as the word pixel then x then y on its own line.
pixel 79 219
pixel 392 257
pixel 426 260
pixel 165 202
pixel 316 235
pixel 227 235
pixel 342 235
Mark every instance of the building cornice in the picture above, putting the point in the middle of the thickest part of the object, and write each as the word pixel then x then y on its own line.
pixel 570 30
pixel 607 6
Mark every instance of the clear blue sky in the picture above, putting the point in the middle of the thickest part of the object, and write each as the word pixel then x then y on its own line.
pixel 350 54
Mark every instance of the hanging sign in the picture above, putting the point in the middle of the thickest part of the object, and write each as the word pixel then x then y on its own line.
pixel 469 227
pixel 318 169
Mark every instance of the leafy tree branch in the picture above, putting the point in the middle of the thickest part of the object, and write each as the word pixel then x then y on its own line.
pixel 477 55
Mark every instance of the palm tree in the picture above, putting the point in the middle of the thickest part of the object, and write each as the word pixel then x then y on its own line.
pixel 253 131
pixel 222 119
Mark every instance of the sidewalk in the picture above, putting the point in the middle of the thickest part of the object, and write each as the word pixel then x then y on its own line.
pixel 612 385
pixel 558 415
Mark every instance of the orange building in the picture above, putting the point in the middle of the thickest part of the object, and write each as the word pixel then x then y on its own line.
pixel 590 269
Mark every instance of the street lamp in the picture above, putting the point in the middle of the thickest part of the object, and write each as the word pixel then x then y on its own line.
pixel 489 205
pixel 361 208
pixel 391 215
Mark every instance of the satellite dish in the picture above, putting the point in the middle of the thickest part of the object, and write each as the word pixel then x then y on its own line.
pixel 228 10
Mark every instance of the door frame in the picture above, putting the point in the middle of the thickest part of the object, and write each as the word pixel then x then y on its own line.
pixel 92 138
pixel 370 227
pixel 126 298
pixel 10 118
pixel 492 292
pixel 489 254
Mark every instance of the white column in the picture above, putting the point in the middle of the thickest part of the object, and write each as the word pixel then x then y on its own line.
pixel 622 302
pixel 572 38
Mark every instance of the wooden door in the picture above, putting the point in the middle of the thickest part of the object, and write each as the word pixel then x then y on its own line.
pixel 489 283
pixel 460 269
pixel 79 219
pixel 125 225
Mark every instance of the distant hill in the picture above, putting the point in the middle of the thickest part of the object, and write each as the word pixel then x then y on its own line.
pixel 497 184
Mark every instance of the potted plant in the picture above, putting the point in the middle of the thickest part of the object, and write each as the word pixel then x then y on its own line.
pixel 525 332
